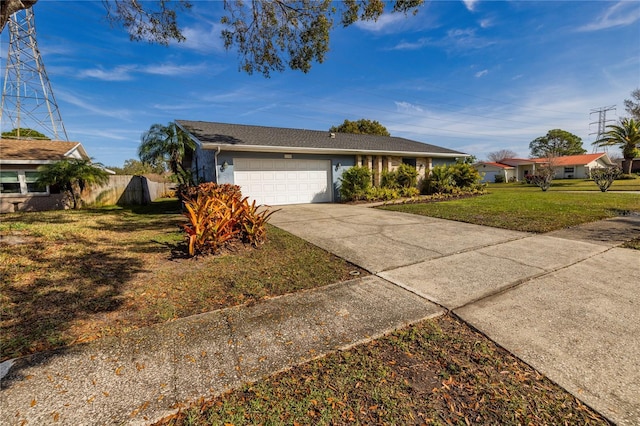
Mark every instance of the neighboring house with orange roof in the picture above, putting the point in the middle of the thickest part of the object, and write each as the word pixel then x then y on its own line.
pixel 19 161
pixel 566 167
pixel 494 172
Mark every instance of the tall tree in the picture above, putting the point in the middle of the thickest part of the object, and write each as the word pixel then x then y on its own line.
pixel 268 35
pixel 24 133
pixel 633 105
pixel 166 146
pixel 625 135
pixel 72 176
pixel 556 143
pixel 362 127
pixel 498 156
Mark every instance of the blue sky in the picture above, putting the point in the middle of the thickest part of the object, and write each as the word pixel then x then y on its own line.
pixel 471 76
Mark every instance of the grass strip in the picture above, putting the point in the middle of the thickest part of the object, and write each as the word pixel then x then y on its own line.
pixel 524 208
pixel 437 372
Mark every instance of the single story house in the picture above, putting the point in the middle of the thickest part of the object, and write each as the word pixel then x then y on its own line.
pixel 275 166
pixel 565 167
pixel 19 161
pixel 489 170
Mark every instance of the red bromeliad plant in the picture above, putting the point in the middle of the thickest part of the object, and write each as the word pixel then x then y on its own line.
pixel 218 214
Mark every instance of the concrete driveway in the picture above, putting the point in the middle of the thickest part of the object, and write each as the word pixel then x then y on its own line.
pixel 562 302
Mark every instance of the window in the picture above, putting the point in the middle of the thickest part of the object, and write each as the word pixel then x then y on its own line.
pixel 9 183
pixel 20 182
pixel 409 161
pixel 32 187
pixel 569 169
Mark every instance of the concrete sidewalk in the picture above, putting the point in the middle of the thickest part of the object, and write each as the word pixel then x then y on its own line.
pixel 149 373
pixel 566 304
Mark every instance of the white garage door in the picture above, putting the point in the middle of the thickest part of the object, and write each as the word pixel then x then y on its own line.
pixel 283 181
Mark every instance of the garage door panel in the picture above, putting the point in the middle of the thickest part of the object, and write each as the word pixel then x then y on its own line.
pixel 284 181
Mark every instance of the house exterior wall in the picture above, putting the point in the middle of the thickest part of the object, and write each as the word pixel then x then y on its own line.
pixel 491 171
pixel 339 163
pixel 204 164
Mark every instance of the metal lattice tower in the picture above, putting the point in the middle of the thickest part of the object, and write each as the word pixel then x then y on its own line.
pixel 27 97
pixel 602 124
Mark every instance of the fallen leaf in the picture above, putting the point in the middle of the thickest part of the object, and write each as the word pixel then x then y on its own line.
pixel 33 402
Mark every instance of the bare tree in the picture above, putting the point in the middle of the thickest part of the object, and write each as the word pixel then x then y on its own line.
pixel 604 177
pixel 498 156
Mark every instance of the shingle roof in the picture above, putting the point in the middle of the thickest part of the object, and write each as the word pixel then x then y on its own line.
pixel 567 160
pixel 246 136
pixel 15 150
pixel 491 163
pixel 576 160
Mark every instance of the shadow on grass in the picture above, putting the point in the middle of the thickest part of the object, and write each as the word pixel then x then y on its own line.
pixel 37 314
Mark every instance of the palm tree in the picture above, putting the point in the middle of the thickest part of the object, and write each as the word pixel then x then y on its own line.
pixel 627 136
pixel 165 145
pixel 72 175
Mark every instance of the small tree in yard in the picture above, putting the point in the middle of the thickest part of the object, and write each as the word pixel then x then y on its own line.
pixel 72 176
pixel 604 177
pixel 543 177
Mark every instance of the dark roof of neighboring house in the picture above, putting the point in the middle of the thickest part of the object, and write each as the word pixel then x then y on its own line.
pixel 245 137
pixel 38 151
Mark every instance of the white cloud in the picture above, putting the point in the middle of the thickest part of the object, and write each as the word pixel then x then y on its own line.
pixel 470 4
pixel 203 39
pixel 407 107
pixel 467 39
pixel 481 73
pixel 620 14
pixel 385 22
pixel 91 106
pixel 121 73
pixel 127 72
pixel 173 69
pixel 415 45
pixel 486 23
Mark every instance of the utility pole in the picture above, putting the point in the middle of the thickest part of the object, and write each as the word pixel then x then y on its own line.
pixel 27 97
pixel 602 123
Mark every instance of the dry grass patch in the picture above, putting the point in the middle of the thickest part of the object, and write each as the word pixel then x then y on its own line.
pixel 438 372
pixel 74 276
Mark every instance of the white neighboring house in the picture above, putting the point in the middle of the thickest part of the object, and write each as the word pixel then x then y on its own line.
pixel 490 170
pixel 566 167
pixel 19 161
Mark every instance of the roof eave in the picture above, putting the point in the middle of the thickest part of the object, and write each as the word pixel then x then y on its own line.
pixel 303 150
pixel 28 162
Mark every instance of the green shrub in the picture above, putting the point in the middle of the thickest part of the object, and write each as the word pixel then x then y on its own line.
pixel 498 179
pixel 465 175
pixel 439 181
pixel 452 179
pixel 406 176
pixel 389 180
pixel 628 176
pixel 355 183
pixel 382 194
pixel 409 192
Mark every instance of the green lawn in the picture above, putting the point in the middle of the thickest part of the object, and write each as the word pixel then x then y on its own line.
pixel 578 185
pixel 526 208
